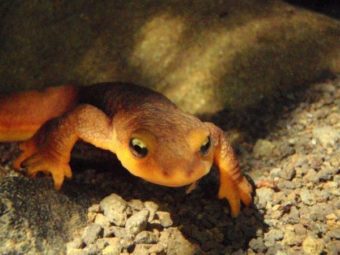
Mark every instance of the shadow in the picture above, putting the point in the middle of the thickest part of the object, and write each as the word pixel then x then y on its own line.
pixel 204 220
pixel 327 7
pixel 260 120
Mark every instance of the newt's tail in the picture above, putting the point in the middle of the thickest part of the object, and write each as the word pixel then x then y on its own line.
pixel 22 114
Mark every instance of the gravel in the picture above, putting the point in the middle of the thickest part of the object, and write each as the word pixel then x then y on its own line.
pixel 293 157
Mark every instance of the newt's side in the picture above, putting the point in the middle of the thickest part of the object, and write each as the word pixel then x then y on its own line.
pixel 151 137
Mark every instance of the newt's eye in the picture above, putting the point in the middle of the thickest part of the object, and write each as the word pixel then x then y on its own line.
pixel 205 146
pixel 138 148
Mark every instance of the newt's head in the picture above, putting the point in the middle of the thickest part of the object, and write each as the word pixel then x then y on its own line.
pixel 167 148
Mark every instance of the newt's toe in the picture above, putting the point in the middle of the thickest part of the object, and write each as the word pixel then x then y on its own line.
pixel 44 162
pixel 27 148
pixel 235 193
pixel 245 191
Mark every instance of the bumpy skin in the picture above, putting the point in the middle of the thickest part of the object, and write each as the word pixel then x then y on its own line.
pixel 180 148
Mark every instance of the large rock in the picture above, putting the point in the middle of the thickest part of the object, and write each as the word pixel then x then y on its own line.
pixel 204 55
pixel 36 219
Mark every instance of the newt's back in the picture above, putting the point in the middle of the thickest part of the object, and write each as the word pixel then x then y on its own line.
pixel 114 97
pixel 22 114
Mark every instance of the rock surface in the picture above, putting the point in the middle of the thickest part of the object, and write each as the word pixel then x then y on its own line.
pixel 204 55
pixel 296 207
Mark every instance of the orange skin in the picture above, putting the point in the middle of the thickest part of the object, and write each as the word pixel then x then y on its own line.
pixel 151 137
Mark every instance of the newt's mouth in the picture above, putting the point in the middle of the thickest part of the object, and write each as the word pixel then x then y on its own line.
pixel 177 179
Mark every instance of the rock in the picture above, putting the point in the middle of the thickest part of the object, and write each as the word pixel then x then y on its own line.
pixel 272 236
pixel 264 195
pixel 94 208
pixel 142 249
pixel 311 176
pixel 74 251
pixel 307 197
pixel 312 246
pixel 136 204
pixel 291 238
pixel 176 243
pixel 114 231
pixel 275 172
pixel 113 248
pixel 333 248
pixel 91 249
pixel 258 245
pixel 146 237
pixel 101 220
pixel 263 148
pixel 92 233
pixel 157 249
pixel 226 69
pixel 335 233
pixel 115 209
pixel 152 207
pixel 288 173
pixel 294 216
pixel 137 222
pixel 77 243
pixel 37 219
pixel 164 219
pixel 283 150
pixel 326 135
pixel 326 174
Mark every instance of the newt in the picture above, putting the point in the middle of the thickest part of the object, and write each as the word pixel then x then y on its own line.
pixel 151 137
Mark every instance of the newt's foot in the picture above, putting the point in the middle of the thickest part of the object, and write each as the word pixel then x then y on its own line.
pixel 39 160
pixel 27 148
pixel 235 192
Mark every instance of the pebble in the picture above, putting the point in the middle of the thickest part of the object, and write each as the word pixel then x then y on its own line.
pixel 91 233
pixel 164 219
pixel 146 237
pixel 288 173
pixel 115 231
pixel 115 209
pixel 136 204
pixel 311 176
pixel 312 246
pixel 264 195
pixel 76 243
pixel 293 217
pixel 272 236
pixel 333 248
pixel 263 148
pixel 137 222
pixel 335 233
pixel 325 174
pixel 291 238
pixel 258 245
pixel 152 207
pixel 326 135
pixel 307 197
pixel 114 247
pixel 275 172
pixel 101 220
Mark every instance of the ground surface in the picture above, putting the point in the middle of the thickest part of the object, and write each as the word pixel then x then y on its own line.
pixel 290 148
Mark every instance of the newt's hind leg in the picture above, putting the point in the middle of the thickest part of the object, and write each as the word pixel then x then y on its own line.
pixel 27 149
pixel 37 156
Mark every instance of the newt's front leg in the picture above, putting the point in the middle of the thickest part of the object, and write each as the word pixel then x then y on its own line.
pixel 233 185
pixel 49 150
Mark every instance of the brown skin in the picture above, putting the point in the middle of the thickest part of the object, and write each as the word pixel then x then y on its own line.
pixel 151 137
